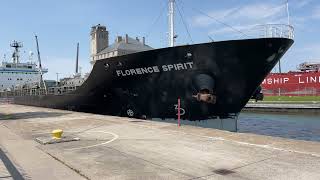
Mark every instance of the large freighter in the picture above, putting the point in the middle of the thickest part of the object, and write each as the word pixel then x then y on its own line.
pixel 212 80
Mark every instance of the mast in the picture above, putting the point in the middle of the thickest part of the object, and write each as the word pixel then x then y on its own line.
pixel 15 56
pixel 288 15
pixel 171 23
pixel 77 59
pixel 287 4
pixel 40 67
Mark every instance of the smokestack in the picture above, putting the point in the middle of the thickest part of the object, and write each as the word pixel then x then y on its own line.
pixel 119 39
pixel 143 40
pixel 77 58
pixel 127 39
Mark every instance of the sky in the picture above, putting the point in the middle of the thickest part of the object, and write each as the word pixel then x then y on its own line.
pixel 60 24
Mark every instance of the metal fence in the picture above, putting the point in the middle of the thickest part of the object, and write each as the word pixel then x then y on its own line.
pixel 300 91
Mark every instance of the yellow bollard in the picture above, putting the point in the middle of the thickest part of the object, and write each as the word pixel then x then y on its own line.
pixel 56 134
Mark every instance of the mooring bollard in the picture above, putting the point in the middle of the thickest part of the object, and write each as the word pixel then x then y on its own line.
pixel 56 134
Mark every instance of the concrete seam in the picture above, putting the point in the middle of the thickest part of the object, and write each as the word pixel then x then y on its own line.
pixel 126 154
pixel 15 174
pixel 6 152
pixel 67 165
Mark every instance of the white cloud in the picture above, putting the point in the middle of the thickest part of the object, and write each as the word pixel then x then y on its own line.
pixel 300 53
pixel 300 3
pixel 203 20
pixel 316 13
pixel 242 19
pixel 311 50
pixel 244 28
pixel 249 13
pixel 258 11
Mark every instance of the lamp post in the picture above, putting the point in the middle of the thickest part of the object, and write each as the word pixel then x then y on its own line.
pixel 57 79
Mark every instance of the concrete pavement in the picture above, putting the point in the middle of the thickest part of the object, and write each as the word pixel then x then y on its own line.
pixel 122 148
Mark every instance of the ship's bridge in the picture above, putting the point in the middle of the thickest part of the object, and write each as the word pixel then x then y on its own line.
pixel 21 67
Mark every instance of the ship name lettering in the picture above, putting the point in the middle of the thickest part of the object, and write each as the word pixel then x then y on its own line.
pixel 300 82
pixel 275 81
pixel 139 71
pixel 309 79
pixel 155 69
pixel 177 67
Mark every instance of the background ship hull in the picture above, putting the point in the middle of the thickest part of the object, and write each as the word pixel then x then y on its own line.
pixel 236 69
pixel 292 84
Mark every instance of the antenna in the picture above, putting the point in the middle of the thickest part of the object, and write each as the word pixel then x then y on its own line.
pixel 171 23
pixel 40 67
pixel 287 4
pixel 15 56
pixel 30 56
pixel 57 82
pixel 4 57
pixel 77 59
pixel 279 66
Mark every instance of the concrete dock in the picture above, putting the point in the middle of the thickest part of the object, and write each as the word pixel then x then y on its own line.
pixel 121 148
pixel 283 107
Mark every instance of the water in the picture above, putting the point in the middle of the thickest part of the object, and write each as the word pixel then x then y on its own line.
pixel 293 126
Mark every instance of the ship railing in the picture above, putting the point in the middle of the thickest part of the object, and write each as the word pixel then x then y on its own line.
pixel 38 91
pixel 271 31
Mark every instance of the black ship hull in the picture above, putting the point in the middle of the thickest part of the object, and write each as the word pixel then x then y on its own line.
pixel 212 80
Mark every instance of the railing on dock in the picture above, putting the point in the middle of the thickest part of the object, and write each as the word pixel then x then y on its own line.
pixel 6 100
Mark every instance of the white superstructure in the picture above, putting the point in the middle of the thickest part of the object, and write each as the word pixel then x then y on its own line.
pixel 15 73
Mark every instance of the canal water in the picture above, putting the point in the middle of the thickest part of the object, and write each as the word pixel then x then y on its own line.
pixel 293 126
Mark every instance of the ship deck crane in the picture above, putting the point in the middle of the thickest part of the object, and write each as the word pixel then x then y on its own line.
pixel 40 68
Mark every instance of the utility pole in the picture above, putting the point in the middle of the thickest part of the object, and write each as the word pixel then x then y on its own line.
pixel 279 66
pixel 77 59
pixel 57 79
pixel 287 4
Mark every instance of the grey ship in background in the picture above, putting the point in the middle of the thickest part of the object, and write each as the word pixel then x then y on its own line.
pixel 16 74
pixel 129 78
